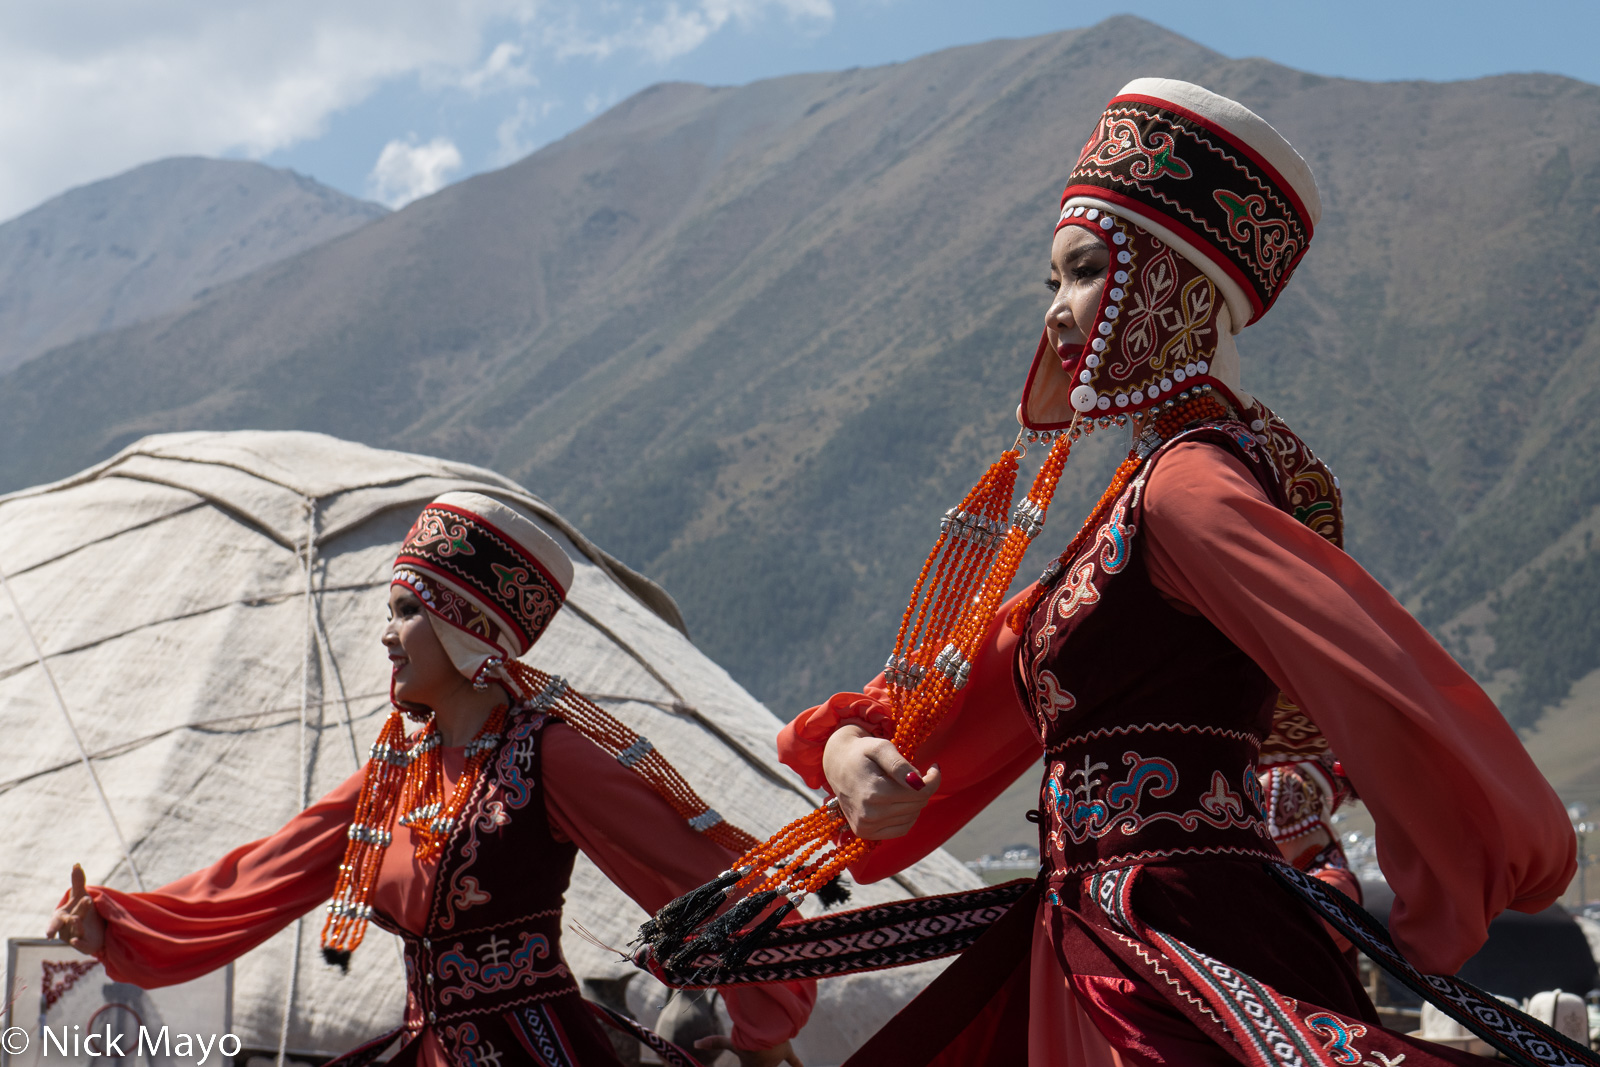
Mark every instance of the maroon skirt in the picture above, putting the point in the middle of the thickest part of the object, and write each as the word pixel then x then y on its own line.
pixel 1212 962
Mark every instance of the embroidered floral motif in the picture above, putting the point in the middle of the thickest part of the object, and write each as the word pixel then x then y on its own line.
pixel 1161 160
pixel 1252 790
pixel 1159 323
pixel 1312 489
pixel 449 605
pixel 509 789
pixel 1340 1036
pixel 1077 591
pixel 1119 141
pixel 469 1049
pixel 1222 803
pixel 497 967
pixel 1090 809
pixel 1050 698
pixel 1085 806
pixel 1295 806
pixel 532 594
pixel 1147 312
pixel 494 817
pixel 457 546
pixel 468 894
pixel 1294 736
pixel 1167 321
pixel 1115 540
pixel 1249 223
pixel 446 539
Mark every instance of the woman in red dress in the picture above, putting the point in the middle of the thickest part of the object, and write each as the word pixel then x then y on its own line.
pixel 1204 610
pixel 461 837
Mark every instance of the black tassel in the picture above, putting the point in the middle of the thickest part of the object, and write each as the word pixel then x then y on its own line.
pixel 745 944
pixel 834 892
pixel 678 918
pixel 716 935
pixel 336 957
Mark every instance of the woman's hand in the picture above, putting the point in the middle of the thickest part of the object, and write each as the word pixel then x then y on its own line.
pixel 767 1057
pixel 879 792
pixel 78 922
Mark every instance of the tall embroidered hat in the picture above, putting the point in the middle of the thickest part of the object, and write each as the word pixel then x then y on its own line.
pixel 491 581
pixel 1205 211
pixel 490 578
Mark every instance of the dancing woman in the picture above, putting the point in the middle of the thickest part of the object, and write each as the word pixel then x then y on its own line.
pixel 461 837
pixel 1204 608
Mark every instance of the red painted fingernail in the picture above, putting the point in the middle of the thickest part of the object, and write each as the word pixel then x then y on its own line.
pixel 914 780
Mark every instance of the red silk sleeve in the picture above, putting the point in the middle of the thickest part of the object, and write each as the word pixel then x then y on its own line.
pixel 205 919
pixel 1466 824
pixel 650 853
pixel 984 744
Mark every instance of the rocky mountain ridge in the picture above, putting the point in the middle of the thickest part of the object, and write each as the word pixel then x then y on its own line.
pixel 757 339
pixel 149 241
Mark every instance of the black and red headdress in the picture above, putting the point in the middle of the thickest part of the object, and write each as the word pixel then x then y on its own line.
pixel 490 579
pixel 1205 210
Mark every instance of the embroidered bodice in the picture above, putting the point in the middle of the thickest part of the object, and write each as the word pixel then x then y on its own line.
pixel 1152 720
pixel 493 939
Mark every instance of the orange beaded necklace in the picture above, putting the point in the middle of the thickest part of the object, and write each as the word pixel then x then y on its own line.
pixel 952 605
pixel 404 773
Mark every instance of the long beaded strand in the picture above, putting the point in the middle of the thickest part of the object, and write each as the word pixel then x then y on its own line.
pixel 554 697
pixel 955 596
pixel 952 604
pixel 407 773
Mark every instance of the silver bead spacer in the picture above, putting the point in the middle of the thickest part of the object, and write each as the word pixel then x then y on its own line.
pixel 1028 517
pixel 704 821
pixel 635 752
pixel 953 665
pixel 903 672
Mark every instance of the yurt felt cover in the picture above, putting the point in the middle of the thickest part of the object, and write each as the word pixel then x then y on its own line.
pixel 192 696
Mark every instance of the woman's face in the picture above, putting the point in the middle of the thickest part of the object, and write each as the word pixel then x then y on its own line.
pixel 1078 265
pixel 423 673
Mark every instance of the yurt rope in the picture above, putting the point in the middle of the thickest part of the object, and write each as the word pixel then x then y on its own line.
pixel 326 650
pixel 308 648
pixel 72 728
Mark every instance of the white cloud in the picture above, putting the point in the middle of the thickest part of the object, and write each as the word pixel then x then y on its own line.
pixel 92 87
pixel 89 88
pixel 512 136
pixel 671 30
pixel 500 71
pixel 406 170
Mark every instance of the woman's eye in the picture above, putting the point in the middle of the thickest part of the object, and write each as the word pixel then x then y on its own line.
pixel 1052 285
pixel 1087 273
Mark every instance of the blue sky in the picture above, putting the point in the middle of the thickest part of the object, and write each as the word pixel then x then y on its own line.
pixel 390 99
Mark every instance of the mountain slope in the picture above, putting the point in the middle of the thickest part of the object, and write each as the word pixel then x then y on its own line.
pixel 758 339
pixel 149 241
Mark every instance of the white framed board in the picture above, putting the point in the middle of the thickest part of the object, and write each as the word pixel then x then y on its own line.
pixel 62 1008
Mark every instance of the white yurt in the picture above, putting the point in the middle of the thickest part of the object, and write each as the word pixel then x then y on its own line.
pixel 189 654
